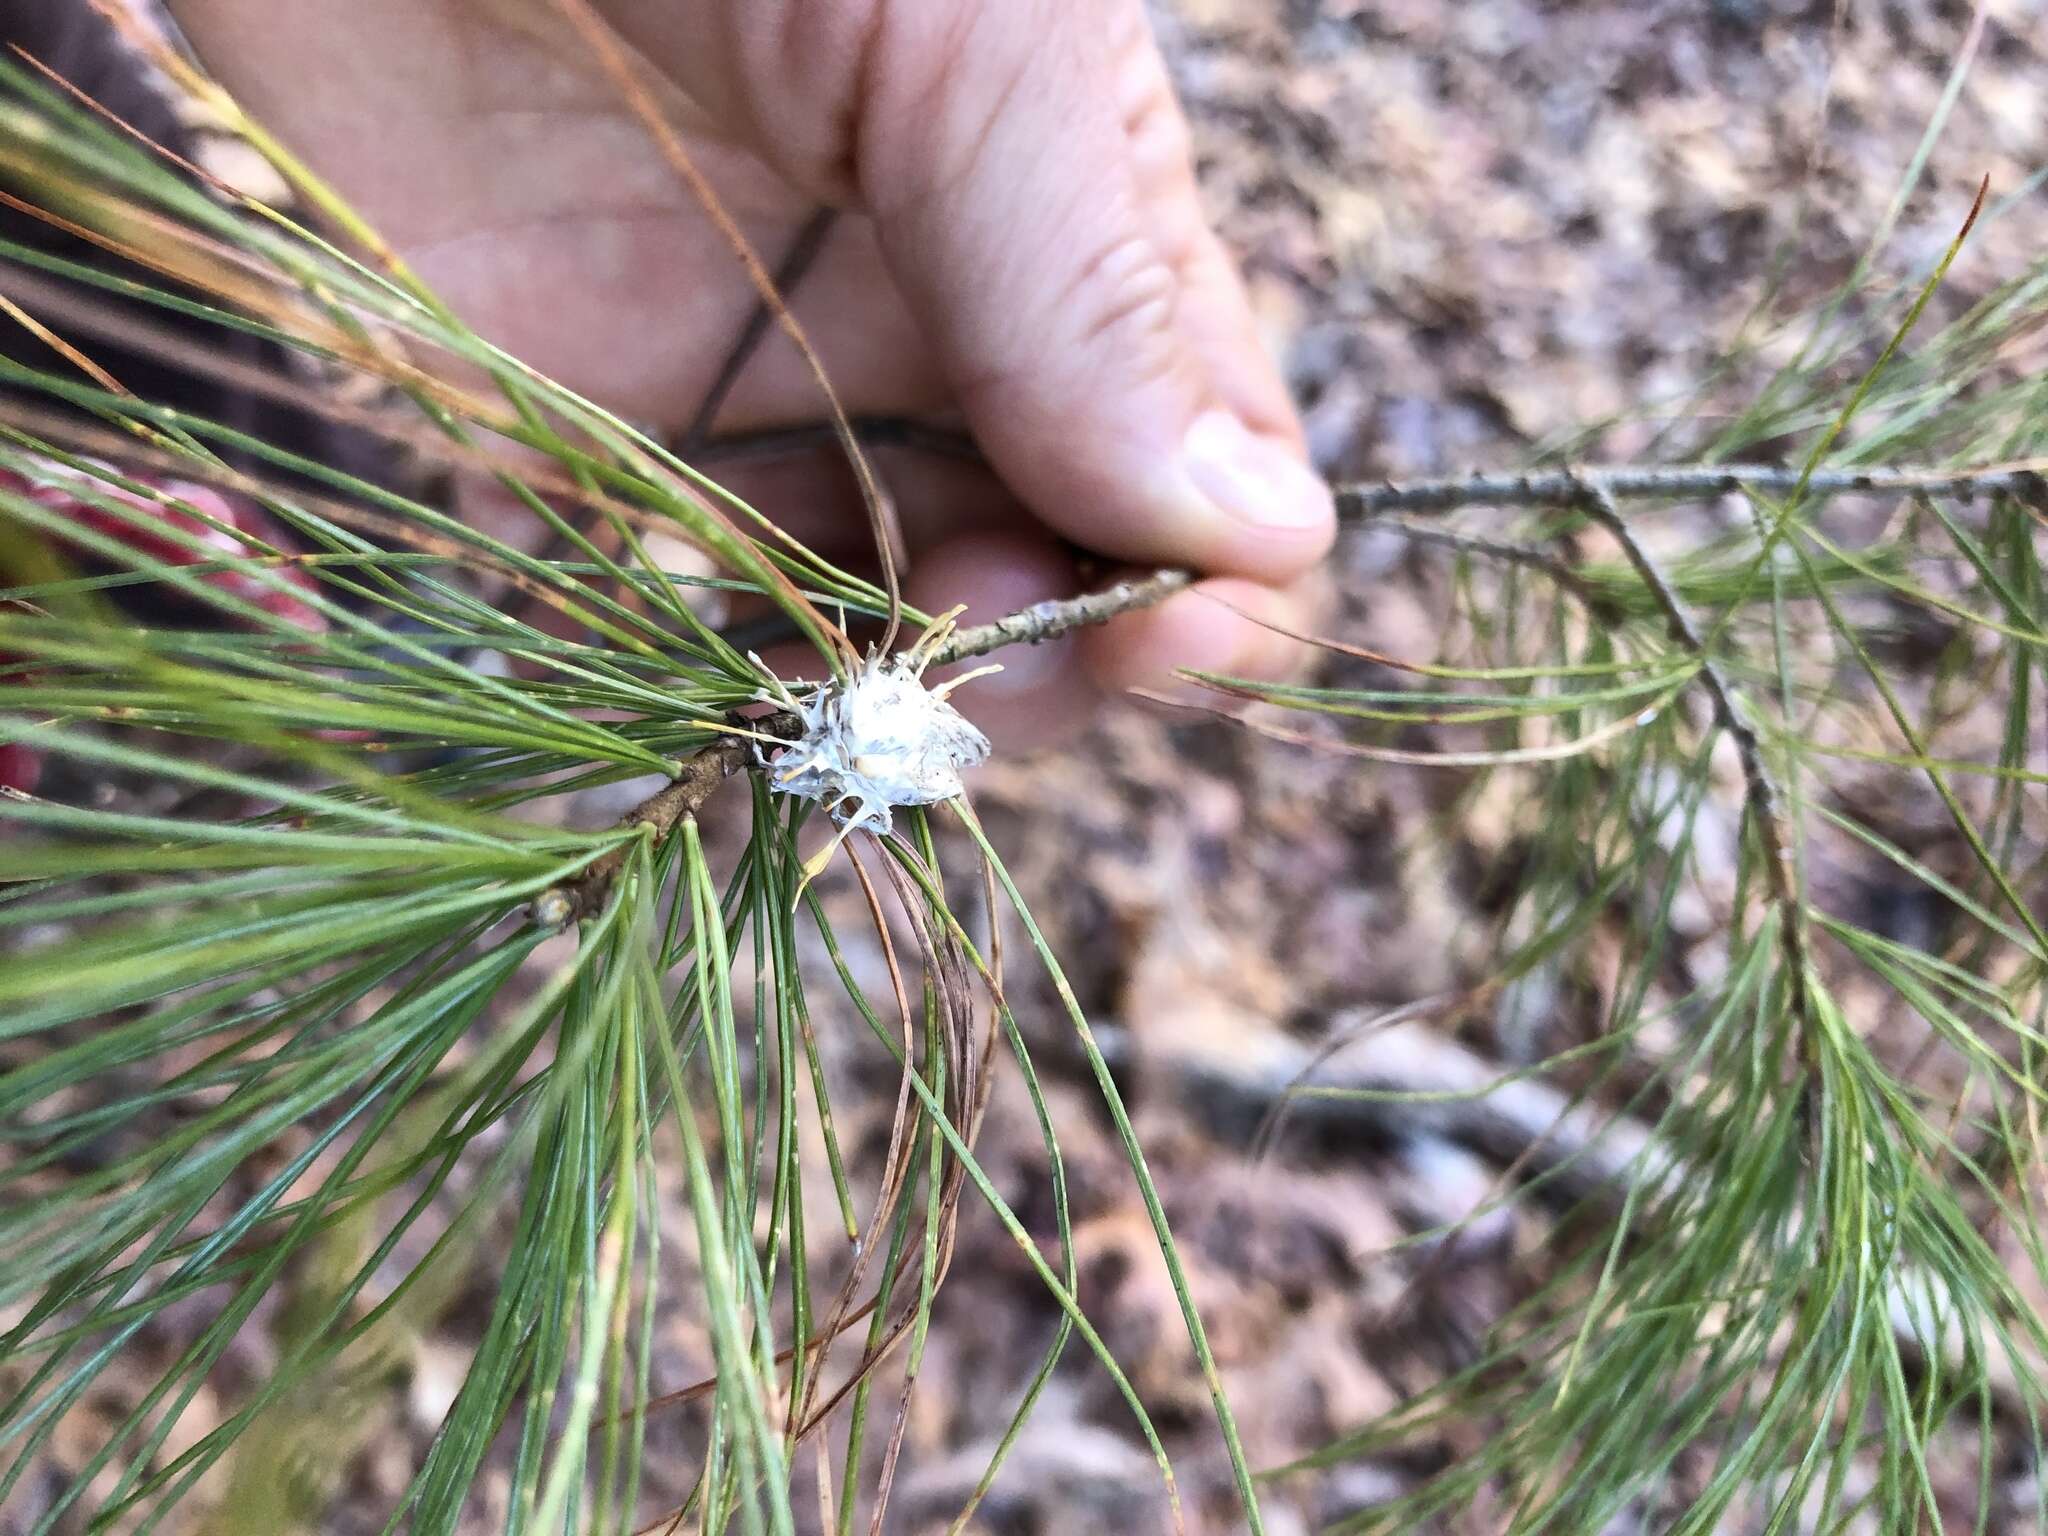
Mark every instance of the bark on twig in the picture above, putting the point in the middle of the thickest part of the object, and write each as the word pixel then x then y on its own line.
pixel 694 783
pixel 1685 482
pixel 1766 799
pixel 1043 621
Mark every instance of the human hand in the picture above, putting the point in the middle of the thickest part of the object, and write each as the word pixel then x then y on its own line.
pixel 1028 250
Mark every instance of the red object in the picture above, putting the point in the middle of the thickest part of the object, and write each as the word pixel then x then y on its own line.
pixel 21 768
pixel 61 488
pixel 64 490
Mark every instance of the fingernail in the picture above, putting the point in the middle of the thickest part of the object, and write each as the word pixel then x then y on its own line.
pixel 1253 480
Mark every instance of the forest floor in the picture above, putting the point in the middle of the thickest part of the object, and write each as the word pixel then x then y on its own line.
pixel 1469 228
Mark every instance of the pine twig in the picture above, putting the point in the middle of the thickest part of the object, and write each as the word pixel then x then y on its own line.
pixel 1681 482
pixel 1766 799
pixel 1044 621
pixel 697 778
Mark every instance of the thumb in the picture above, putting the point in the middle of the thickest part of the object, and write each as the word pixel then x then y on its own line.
pixel 1043 208
pixel 1027 170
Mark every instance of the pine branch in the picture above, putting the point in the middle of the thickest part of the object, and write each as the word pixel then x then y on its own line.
pixel 1360 499
pixel 1361 502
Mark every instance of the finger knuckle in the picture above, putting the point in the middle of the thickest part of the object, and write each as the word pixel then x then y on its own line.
pixel 1123 298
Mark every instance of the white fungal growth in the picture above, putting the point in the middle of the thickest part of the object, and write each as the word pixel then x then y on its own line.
pixel 878 740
